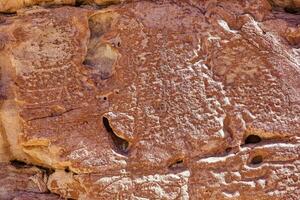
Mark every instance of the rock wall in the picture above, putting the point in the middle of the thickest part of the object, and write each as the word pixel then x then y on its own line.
pixel 179 99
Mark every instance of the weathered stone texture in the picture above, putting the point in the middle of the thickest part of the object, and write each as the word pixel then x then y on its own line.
pixel 152 99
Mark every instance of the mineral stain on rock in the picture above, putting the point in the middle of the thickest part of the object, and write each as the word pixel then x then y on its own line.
pixel 181 99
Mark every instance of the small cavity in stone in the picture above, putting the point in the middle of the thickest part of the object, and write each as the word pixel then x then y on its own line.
pixel 178 164
pixel 67 169
pixel 18 164
pixel 257 160
pixel 120 143
pixel 292 10
pixel 252 139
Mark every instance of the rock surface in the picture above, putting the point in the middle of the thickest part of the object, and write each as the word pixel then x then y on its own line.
pixel 9 6
pixel 150 100
pixel 22 182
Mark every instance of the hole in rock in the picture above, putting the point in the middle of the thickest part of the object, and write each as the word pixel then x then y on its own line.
pixel 257 160
pixel 78 3
pixel 67 169
pixel 229 149
pixel 119 44
pixel 104 98
pixel 292 10
pixel 177 165
pixel 252 139
pixel 120 144
pixel 18 164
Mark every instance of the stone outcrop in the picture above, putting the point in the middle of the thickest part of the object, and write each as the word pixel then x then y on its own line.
pixel 150 99
pixel 9 6
pixel 21 182
pixel 286 3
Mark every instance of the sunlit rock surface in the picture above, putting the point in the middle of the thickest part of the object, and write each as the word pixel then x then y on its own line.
pixel 150 99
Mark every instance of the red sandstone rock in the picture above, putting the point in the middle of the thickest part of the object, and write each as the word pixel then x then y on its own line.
pixel 154 100
pixel 21 182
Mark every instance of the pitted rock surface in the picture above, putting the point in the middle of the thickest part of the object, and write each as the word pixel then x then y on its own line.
pixel 152 99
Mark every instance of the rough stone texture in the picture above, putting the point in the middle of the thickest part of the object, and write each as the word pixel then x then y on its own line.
pixel 21 182
pixel 286 3
pixel 14 5
pixel 153 99
pixel 9 6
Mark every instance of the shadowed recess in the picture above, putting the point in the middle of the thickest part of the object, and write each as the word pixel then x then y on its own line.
pixel 252 139
pixel 257 160
pixel 177 165
pixel 18 164
pixel 291 10
pixel 120 144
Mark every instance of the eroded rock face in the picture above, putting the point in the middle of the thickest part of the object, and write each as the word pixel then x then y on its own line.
pixel 154 100
pixel 19 181
pixel 287 3
pixel 12 6
pixel 9 6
